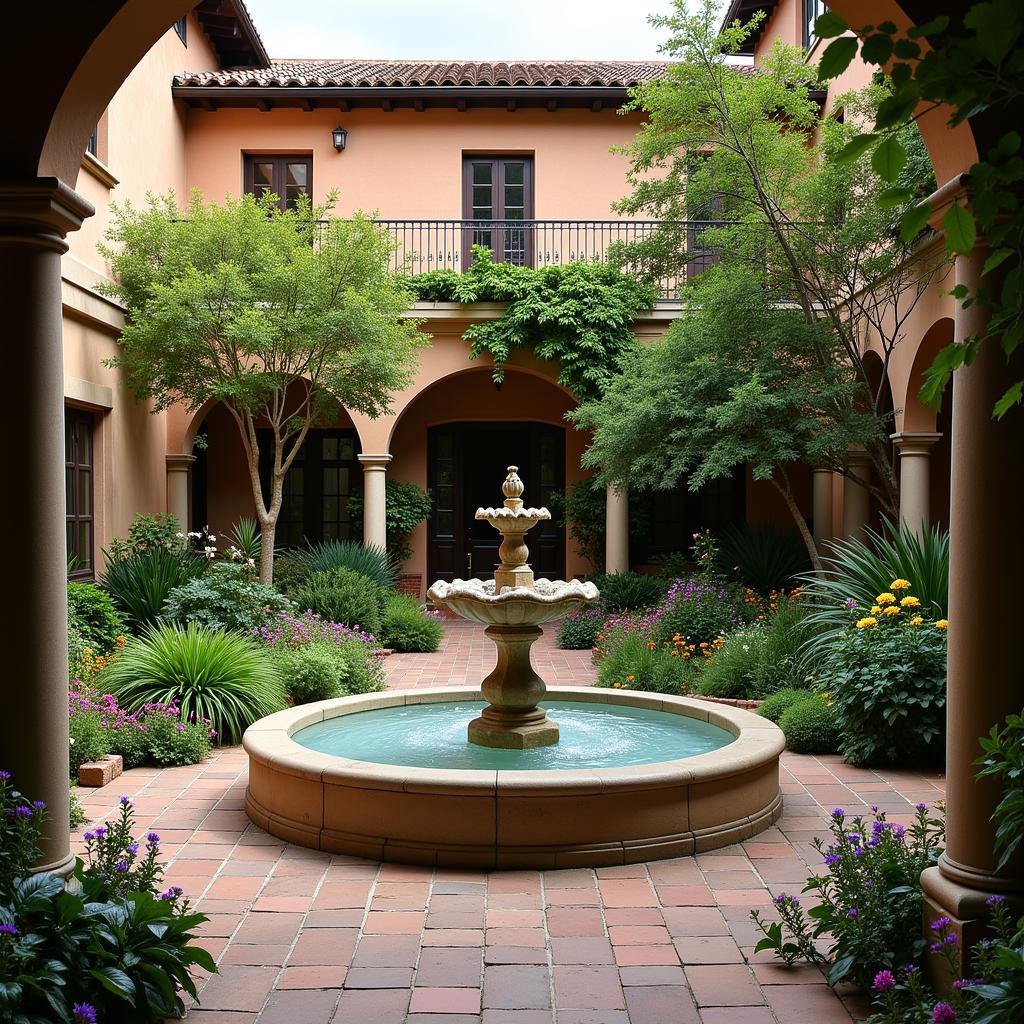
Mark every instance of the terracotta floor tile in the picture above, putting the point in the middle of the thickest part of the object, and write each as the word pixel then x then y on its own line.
pixel 581 951
pixel 708 950
pixel 516 987
pixel 651 956
pixel 371 1006
pixel 450 967
pixel 723 986
pixel 312 977
pixel 238 988
pixel 445 1000
pixel 661 1004
pixel 398 923
pixel 588 988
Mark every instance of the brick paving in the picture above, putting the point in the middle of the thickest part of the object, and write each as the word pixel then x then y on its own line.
pixel 303 937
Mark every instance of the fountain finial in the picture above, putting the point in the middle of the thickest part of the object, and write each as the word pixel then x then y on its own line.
pixel 513 489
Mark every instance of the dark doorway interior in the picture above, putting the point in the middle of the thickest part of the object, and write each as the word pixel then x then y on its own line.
pixel 466 466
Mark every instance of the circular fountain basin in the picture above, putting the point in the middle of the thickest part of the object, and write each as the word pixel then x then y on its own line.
pixel 691 777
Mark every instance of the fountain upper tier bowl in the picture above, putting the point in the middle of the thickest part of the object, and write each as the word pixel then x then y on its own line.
pixel 546 600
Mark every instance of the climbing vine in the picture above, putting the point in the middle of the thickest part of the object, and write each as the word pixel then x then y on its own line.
pixel 578 314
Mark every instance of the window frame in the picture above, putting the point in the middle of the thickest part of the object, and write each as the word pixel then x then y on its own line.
pixel 75 418
pixel 498 162
pixel 812 10
pixel 181 28
pixel 280 162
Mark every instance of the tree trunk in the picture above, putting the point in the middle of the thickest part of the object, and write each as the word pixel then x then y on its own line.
pixel 801 525
pixel 267 531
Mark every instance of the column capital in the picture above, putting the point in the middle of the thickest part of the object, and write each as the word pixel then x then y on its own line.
pixel 179 462
pixel 375 461
pixel 827 470
pixel 914 442
pixel 856 455
pixel 42 209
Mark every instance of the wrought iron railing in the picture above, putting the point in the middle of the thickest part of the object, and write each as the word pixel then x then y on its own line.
pixel 424 245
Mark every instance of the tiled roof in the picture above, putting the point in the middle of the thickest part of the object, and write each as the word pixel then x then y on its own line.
pixel 412 74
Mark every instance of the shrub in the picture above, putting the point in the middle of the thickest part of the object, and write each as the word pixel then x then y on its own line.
pixel 628 591
pixel 293 629
pixel 810 726
pixel 92 614
pixel 90 738
pixel 226 596
pixel 112 949
pixel 858 570
pixel 171 741
pixel 140 582
pixel 637 664
pixel 579 630
pixel 344 596
pixel 372 562
pixel 755 662
pixel 406 506
pixel 76 812
pixel 221 677
pixel 320 669
pixel 697 611
pixel 887 675
pixel 778 703
pixel 1003 760
pixel 763 556
pixel 869 904
pixel 147 533
pixel 406 627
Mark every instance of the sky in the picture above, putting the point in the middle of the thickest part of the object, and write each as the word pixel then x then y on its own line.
pixel 460 29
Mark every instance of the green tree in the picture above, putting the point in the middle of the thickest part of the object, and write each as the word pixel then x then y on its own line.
pixel 272 313
pixel 736 381
pixel 972 62
pixel 749 148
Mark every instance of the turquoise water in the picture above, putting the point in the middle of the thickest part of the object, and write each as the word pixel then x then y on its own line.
pixel 592 736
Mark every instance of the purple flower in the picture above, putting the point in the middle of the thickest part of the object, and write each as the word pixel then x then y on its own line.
pixel 39 805
pixel 152 840
pixel 850 603
pixel 125 802
pixel 4 776
pixel 838 814
pixel 121 865
pixel 8 929
pixel 950 939
pixel 936 947
pixel 88 836
pixel 910 969
pixel 100 833
pixel 172 893
pixel 22 811
pixel 853 912
pixel 921 807
pixel 832 858
pixel 995 901
pixel 133 848
pixel 943 1014
pixel 939 923
pixel 884 981
pixel 85 1013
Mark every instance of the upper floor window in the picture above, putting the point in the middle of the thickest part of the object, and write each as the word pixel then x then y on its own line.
pixel 93 145
pixel 181 27
pixel 813 9
pixel 78 491
pixel 500 189
pixel 287 177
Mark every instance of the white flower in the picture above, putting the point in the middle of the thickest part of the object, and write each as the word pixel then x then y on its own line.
pixel 71 739
pixel 251 562
pixel 212 537
pixel 210 552
pixel 180 535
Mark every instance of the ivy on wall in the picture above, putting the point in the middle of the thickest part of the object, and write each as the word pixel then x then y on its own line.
pixel 578 314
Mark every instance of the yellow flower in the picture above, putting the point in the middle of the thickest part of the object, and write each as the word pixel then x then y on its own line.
pixel 900 584
pixel 891 610
pixel 886 598
pixel 876 609
pixel 121 641
pixel 630 679
pixel 916 620
pixel 942 624
pixel 867 621
pixel 910 602
pixel 617 685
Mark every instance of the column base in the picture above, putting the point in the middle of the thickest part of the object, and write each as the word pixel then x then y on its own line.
pixel 503 736
pixel 63 867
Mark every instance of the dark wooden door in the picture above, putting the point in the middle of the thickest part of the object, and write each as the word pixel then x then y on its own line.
pixel 498 189
pixel 467 465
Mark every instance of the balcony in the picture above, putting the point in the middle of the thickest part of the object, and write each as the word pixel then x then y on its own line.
pixel 425 245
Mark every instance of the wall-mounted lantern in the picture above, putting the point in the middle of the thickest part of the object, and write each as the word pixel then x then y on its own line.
pixel 339 136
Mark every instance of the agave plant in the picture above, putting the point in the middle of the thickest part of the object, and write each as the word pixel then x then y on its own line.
pixel 763 556
pixel 210 674
pixel 855 572
pixel 246 536
pixel 138 583
pixel 369 561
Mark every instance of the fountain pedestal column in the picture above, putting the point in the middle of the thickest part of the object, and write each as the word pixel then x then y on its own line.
pixel 512 720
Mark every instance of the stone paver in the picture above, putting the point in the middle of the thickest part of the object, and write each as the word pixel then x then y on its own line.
pixel 305 936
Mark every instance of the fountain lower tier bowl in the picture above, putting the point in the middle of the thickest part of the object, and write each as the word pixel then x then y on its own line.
pixel 668 776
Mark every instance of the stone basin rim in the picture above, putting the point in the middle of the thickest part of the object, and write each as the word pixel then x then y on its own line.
pixel 757 741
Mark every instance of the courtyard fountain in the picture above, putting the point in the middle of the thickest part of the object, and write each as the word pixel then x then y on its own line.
pixel 513 605
pixel 619 776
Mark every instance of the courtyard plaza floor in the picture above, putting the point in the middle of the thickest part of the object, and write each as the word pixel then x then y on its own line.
pixel 303 937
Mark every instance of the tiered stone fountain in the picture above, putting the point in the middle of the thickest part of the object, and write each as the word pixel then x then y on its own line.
pixel 513 605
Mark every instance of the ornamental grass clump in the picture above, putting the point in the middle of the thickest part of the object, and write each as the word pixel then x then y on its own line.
pixel 638 664
pixel 868 905
pixel 407 628
pixel 887 675
pixel 222 678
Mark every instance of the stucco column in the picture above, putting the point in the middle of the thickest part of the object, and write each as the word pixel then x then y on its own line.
pixel 821 515
pixel 178 470
pixel 616 531
pixel 856 497
pixel 915 455
pixel 985 682
pixel 35 215
pixel 375 469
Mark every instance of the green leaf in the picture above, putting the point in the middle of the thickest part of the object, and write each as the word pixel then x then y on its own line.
pixel 906 50
pixel 877 49
pixel 895 196
pixel 994 259
pixel 828 25
pixel 961 232
pixel 914 221
pixel 856 147
pixel 1010 398
pixel 837 57
pixel 116 981
pixel 899 107
pixel 889 158
pixel 929 28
